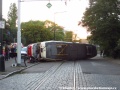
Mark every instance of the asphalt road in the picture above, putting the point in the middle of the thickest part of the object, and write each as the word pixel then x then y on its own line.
pixel 92 74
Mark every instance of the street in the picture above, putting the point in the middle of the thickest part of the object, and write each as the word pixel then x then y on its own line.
pixel 92 74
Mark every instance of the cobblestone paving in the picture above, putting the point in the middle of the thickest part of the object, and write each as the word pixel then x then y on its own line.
pixel 62 76
pixel 40 80
pixel 80 79
pixel 18 81
pixel 97 80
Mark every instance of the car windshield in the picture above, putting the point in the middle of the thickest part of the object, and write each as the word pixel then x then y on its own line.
pixel 24 49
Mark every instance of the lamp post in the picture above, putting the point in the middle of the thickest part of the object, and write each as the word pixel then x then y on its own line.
pixel 54 22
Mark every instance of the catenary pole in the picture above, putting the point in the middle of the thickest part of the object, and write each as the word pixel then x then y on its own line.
pixel 19 35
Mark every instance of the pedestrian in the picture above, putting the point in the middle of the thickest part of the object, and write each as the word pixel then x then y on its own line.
pixel 12 51
pixel 6 52
pixel 3 52
pixel 9 52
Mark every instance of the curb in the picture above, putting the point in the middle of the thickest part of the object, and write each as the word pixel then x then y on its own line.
pixel 18 71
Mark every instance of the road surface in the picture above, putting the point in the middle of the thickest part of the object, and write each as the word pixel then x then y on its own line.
pixel 92 74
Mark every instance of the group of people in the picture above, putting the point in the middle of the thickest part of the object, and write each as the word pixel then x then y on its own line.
pixel 9 52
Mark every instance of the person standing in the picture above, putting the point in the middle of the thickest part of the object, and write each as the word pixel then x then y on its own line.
pixel 6 52
pixel 12 51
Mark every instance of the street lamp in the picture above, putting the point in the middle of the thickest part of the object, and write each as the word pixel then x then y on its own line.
pixel 54 22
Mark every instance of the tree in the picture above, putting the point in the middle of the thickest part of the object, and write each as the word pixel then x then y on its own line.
pixel 68 36
pixel 12 17
pixel 102 20
pixel 59 30
pixel 38 31
pixel 59 33
pixel 35 31
pixel 6 33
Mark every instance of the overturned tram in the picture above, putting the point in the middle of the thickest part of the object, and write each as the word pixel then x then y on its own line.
pixel 60 50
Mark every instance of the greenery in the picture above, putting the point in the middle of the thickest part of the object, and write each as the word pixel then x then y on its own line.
pixel 68 36
pixel 34 31
pixel 10 32
pixel 38 31
pixel 103 22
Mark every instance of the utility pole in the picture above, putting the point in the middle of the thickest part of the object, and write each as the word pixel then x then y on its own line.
pixel 1 42
pixel 2 62
pixel 19 36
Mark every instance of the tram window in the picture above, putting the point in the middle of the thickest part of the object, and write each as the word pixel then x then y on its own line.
pixel 59 46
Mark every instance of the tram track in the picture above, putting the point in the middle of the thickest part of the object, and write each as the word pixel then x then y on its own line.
pixel 62 75
pixel 74 83
pixel 38 82
pixel 53 78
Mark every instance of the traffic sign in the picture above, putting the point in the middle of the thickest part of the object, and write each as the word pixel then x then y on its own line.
pixel 49 5
pixel 2 24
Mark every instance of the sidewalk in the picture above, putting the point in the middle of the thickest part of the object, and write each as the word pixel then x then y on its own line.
pixel 117 61
pixel 10 69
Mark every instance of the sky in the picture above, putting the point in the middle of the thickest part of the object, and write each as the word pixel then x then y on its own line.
pixel 67 15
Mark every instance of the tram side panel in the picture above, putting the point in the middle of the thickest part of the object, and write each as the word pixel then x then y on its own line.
pixel 91 51
pixel 81 51
pixel 76 51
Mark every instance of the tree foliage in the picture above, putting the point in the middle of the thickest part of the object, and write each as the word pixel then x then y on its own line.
pixel 7 38
pixel 12 16
pixel 38 31
pixel 34 31
pixel 59 31
pixel 11 22
pixel 10 31
pixel 68 36
pixel 102 20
